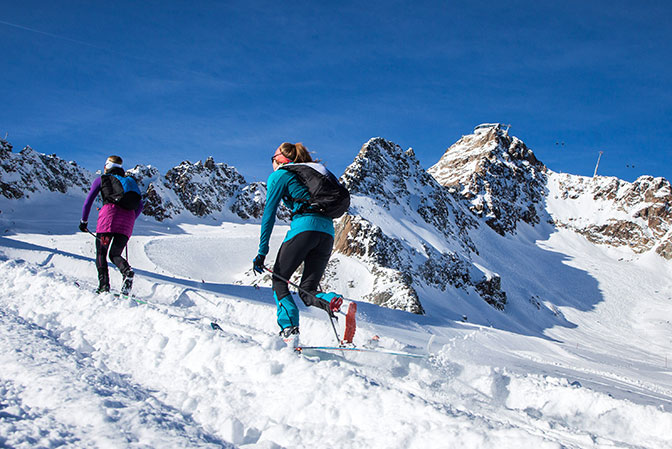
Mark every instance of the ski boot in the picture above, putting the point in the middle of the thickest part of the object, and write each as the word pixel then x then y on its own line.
pixel 290 335
pixel 127 285
pixel 103 282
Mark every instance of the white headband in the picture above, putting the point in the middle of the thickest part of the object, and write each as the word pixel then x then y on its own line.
pixel 110 165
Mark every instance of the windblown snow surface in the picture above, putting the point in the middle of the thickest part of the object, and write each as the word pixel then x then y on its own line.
pixel 81 370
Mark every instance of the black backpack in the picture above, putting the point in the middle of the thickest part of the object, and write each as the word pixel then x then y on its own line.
pixel 327 195
pixel 120 190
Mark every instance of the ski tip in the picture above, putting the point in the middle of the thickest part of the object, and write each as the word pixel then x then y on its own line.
pixel 129 297
pixel 350 323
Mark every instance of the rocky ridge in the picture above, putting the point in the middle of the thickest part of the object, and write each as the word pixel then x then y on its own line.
pixel 499 175
pixel 408 230
pixel 29 172
pixel 201 189
pixel 637 215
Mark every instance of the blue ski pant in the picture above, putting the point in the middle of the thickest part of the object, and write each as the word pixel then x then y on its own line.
pixel 313 249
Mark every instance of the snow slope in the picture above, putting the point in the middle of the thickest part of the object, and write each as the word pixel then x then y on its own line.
pixel 81 370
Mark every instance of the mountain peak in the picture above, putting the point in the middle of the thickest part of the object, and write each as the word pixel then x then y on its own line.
pixel 202 188
pixel 5 148
pixel 28 172
pixel 478 152
pixel 498 174
pixel 409 231
pixel 382 170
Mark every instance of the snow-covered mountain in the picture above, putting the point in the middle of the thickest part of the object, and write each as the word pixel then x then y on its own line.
pixel 578 357
pixel 506 184
pixel 28 172
pixel 499 176
pixel 408 231
pixel 410 235
pixel 188 191
pixel 636 215
pixel 202 189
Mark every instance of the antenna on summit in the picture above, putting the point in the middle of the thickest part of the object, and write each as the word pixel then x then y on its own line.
pixel 488 126
pixel 598 163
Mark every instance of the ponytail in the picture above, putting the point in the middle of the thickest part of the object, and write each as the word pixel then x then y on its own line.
pixel 295 152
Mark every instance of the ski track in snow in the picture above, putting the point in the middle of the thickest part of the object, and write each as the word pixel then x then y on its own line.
pixel 54 395
pixel 83 370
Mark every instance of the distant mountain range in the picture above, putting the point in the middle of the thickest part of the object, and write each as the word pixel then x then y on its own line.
pixel 417 233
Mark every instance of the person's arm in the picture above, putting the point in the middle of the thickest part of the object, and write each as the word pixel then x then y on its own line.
pixel 275 190
pixel 90 198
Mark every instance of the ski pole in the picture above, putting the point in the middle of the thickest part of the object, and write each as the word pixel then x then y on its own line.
pixel 346 301
pixel 331 318
pixel 101 240
pixel 333 326
pixel 94 235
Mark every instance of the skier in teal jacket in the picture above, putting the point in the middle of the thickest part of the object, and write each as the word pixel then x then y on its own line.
pixel 309 241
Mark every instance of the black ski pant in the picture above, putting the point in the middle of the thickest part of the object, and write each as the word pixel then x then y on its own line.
pixel 114 244
pixel 313 248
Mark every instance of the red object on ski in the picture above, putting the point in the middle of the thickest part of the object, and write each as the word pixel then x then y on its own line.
pixel 350 323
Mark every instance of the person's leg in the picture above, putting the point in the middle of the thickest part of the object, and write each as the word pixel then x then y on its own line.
pixel 119 242
pixel 116 248
pixel 290 256
pixel 102 246
pixel 315 263
pixel 287 313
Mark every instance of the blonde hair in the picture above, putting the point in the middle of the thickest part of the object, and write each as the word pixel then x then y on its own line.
pixel 295 152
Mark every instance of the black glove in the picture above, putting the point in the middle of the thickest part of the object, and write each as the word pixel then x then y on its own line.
pixel 84 226
pixel 258 264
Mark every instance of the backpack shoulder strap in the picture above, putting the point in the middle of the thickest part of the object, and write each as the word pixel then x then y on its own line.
pixel 106 189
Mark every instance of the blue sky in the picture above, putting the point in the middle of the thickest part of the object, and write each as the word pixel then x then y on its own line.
pixel 162 82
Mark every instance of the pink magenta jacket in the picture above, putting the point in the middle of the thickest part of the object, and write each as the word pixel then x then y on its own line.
pixel 111 218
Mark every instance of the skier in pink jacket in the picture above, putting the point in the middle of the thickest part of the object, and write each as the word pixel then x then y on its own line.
pixel 122 205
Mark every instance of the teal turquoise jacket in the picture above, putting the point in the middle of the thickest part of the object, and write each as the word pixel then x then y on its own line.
pixel 284 185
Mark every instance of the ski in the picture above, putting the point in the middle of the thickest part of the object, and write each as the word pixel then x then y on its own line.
pixel 350 324
pixel 115 294
pixel 131 297
pixel 346 349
